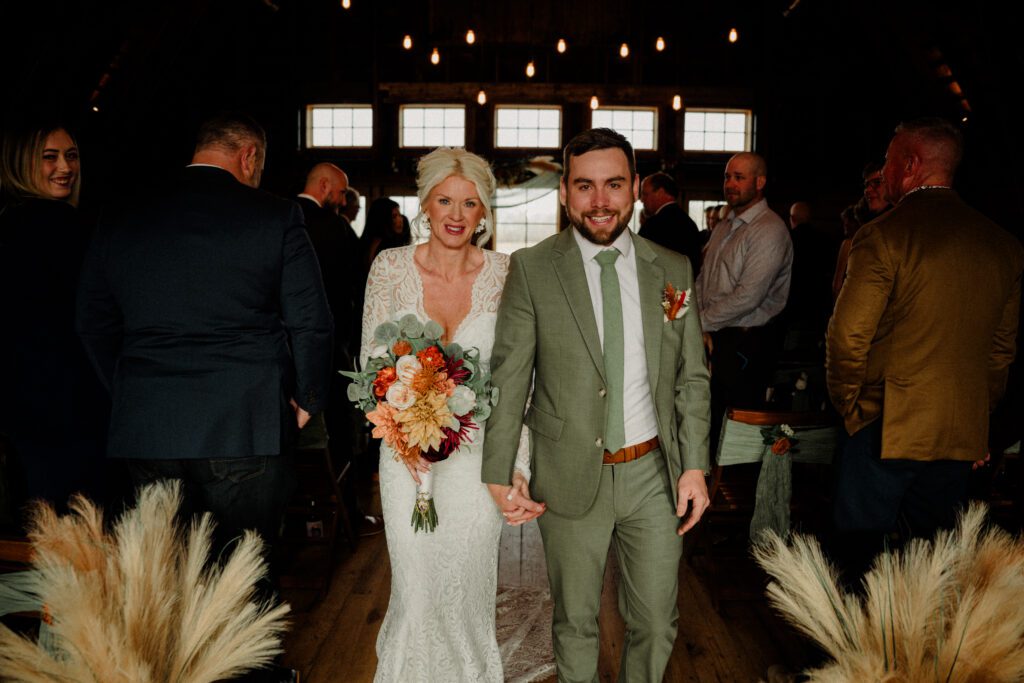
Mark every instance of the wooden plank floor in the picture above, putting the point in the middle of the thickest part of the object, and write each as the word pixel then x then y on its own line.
pixel 333 633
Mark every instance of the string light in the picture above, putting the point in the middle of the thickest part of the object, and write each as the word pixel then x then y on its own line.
pixel 345 4
pixel 677 102
pixel 624 50
pixel 95 108
pixel 659 44
pixel 435 57
pixel 470 37
pixel 481 98
pixel 561 46
pixel 407 42
pixel 733 35
pixel 530 69
pixel 594 104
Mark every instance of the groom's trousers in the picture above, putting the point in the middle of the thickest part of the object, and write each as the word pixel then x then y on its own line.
pixel 634 507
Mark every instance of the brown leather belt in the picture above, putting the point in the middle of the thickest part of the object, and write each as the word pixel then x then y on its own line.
pixel 630 453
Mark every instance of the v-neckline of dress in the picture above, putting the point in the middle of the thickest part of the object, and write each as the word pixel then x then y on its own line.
pixel 422 299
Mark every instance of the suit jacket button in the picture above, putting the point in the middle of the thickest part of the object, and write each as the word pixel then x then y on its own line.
pixel 599 443
pixel 602 393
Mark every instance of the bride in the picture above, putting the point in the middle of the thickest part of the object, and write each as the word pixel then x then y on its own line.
pixel 440 620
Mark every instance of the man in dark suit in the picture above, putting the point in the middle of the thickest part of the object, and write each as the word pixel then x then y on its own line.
pixel 336 246
pixel 919 346
pixel 323 199
pixel 203 310
pixel 667 224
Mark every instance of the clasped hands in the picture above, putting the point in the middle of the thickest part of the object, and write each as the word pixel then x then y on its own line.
pixel 514 501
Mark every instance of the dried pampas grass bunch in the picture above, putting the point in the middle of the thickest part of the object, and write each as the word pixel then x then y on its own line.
pixel 949 610
pixel 141 604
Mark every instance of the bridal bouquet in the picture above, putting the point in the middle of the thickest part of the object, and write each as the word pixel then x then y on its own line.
pixel 424 398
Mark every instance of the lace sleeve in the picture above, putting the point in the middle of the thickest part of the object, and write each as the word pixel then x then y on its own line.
pixel 376 304
pixel 523 455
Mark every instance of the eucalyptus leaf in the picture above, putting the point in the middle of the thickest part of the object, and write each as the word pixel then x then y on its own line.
pixel 432 330
pixel 386 333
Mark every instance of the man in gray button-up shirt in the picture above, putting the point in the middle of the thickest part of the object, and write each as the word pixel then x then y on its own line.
pixel 743 285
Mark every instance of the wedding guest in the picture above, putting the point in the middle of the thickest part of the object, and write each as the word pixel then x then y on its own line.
pixel 52 408
pixel 324 200
pixel 742 286
pixel 384 228
pixel 202 309
pixel 918 347
pixel 667 224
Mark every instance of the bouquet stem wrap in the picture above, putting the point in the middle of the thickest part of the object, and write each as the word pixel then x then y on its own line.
pixel 424 515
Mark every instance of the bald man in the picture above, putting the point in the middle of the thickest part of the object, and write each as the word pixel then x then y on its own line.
pixel 919 344
pixel 321 200
pixel 742 287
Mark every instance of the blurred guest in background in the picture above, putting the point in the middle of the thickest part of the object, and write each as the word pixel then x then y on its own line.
pixel 53 411
pixel 384 229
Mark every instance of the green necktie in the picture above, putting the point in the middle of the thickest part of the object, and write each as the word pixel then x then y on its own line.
pixel 614 350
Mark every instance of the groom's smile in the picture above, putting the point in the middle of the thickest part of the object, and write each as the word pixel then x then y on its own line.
pixel 598 194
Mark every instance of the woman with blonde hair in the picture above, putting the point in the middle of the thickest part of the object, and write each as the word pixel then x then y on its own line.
pixel 52 408
pixel 440 620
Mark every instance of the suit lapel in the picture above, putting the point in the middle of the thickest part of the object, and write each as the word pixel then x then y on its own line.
pixel 568 266
pixel 651 277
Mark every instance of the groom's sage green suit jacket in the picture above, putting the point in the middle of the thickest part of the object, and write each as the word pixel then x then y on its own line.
pixel 547 334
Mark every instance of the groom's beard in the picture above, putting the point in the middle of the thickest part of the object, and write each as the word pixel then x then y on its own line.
pixel 579 222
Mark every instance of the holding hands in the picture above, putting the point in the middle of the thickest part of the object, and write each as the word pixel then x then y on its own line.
pixel 514 501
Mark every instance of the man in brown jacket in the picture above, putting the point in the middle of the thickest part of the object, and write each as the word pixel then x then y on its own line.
pixel 920 342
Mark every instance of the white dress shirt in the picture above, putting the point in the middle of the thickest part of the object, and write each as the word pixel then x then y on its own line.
pixel 637 404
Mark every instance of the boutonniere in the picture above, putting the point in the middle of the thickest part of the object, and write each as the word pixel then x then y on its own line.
pixel 780 438
pixel 675 302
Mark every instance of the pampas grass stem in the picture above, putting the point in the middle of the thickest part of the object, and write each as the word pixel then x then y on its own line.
pixel 143 603
pixel 942 610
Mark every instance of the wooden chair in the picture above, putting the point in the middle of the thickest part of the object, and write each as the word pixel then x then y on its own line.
pixel 319 491
pixel 725 530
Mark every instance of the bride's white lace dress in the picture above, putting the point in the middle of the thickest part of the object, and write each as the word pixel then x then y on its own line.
pixel 439 626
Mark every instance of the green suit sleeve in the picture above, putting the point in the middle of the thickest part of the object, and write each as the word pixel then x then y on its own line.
pixel 515 340
pixel 693 394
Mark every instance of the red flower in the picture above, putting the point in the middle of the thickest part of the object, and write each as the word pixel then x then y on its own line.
pixel 451 439
pixel 432 357
pixel 455 371
pixel 401 348
pixel 385 378
pixel 781 446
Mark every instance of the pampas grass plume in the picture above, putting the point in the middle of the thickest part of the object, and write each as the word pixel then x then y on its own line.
pixel 143 603
pixel 949 610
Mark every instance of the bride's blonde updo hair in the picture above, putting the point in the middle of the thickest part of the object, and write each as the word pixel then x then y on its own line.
pixel 435 167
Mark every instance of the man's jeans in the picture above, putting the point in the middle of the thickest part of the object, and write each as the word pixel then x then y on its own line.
pixel 242 493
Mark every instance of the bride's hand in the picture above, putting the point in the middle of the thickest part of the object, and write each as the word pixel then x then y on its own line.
pixel 422 465
pixel 523 507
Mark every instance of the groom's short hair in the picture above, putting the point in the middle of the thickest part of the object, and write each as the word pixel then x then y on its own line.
pixel 593 140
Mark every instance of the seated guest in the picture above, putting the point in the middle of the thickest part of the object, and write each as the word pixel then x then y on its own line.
pixel 53 411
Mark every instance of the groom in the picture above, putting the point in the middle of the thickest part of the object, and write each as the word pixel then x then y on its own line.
pixel 618 416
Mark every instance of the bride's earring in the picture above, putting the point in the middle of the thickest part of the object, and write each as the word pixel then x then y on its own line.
pixel 480 228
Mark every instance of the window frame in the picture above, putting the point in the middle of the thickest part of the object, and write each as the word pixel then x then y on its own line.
pixel 634 108
pixel 432 105
pixel 535 107
pixel 748 135
pixel 338 105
